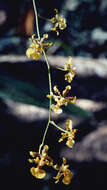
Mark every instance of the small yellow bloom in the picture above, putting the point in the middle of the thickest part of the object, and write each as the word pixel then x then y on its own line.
pixel 59 23
pixel 69 134
pixel 36 47
pixel 65 172
pixel 61 99
pixel 33 53
pixel 41 160
pixel 68 77
pixel 71 71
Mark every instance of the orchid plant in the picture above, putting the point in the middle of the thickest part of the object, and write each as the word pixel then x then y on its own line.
pixel 57 100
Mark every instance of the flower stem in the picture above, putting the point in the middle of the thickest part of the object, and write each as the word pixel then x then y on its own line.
pixel 36 17
pixel 53 123
pixel 49 20
pixel 49 77
pixel 50 102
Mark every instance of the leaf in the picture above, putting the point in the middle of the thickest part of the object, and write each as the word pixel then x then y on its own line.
pixel 76 110
pixel 20 91
pixel 18 84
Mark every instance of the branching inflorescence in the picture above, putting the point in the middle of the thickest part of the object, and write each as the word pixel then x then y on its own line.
pixel 38 47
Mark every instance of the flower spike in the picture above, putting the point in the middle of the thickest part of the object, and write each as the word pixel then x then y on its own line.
pixel 40 159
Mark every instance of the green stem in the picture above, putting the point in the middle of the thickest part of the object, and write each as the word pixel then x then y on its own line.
pixel 36 17
pixel 44 136
pixel 50 102
pixel 49 76
pixel 49 20
pixel 54 124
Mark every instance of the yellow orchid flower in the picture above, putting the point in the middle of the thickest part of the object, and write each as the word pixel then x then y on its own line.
pixel 36 47
pixel 41 160
pixel 59 23
pixel 63 171
pixel 61 99
pixel 69 134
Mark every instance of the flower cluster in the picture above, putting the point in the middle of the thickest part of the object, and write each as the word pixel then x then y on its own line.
pixel 61 99
pixel 59 23
pixel 36 47
pixel 69 134
pixel 41 160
